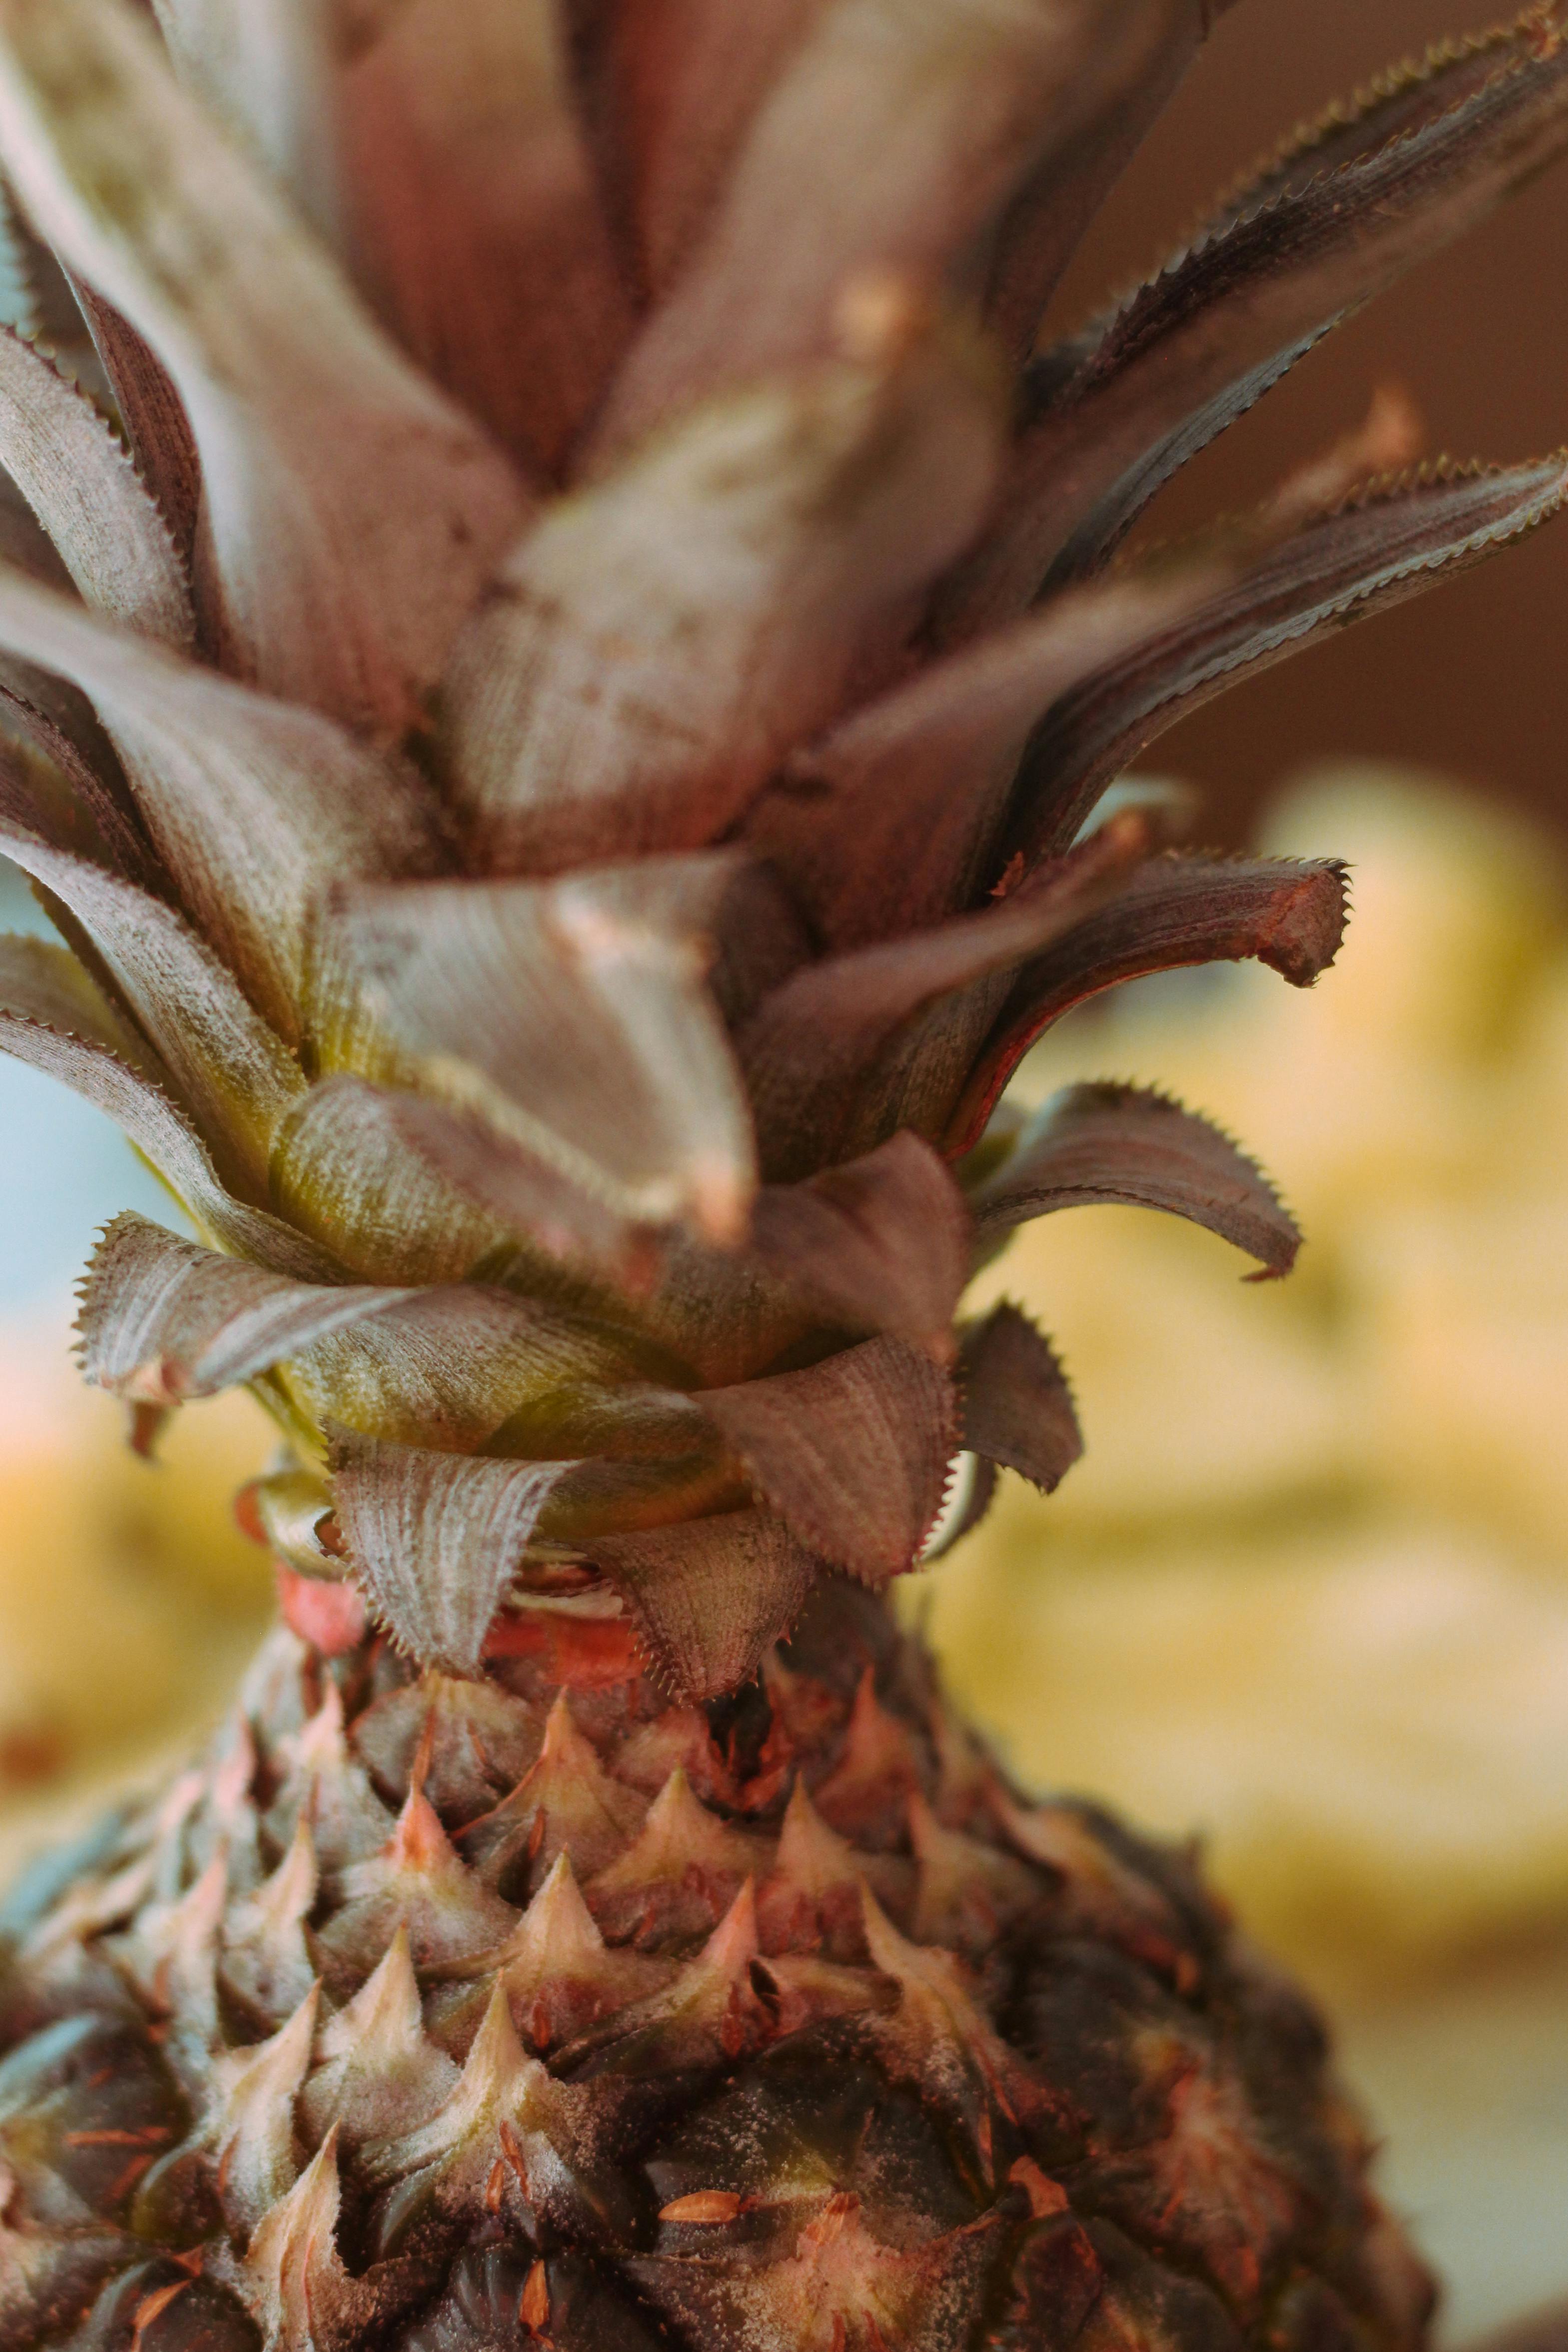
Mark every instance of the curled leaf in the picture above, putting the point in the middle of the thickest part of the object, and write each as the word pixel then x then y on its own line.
pixel 918 781
pixel 665 634
pixel 853 1454
pixel 1177 910
pixel 807 1049
pixel 1324 232
pixel 882 1242
pixel 1390 543
pixel 1128 1144
pixel 164 1320
pixel 436 1539
pixel 1018 1407
pixel 710 1596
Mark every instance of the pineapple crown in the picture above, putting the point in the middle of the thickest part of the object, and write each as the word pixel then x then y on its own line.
pixel 563 641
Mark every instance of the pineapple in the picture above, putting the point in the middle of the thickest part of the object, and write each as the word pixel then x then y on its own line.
pixel 562 723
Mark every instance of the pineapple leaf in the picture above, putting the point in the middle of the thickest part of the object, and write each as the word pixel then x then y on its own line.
pixel 1134 78
pixel 82 1053
pixel 1390 543
pixel 265 67
pixel 1101 1142
pixel 87 493
pixel 1178 910
pixel 853 1454
pixel 233 1073
pixel 919 780
pixel 254 804
pixel 882 1242
pixel 333 594
pixel 164 1320
pixel 895 132
pixel 1119 411
pixel 570 1018
pixel 435 1539
pixel 682 81
pixel 711 1597
pixel 344 1171
pixel 476 220
pixel 153 413
pixel 1018 1407
pixel 810 1047
pixel 665 634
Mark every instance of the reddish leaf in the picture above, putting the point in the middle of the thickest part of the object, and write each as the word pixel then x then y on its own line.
pixel 151 413
pixel 883 1242
pixel 852 1454
pixel 663 637
pixel 75 477
pixel 1327 230
pixel 890 822
pixel 1018 1407
pixel 436 1539
pixel 710 1596
pixel 1128 1144
pixel 476 220
pixel 351 512
pixel 809 1048
pixel 890 140
pixel 1391 544
pixel 1178 910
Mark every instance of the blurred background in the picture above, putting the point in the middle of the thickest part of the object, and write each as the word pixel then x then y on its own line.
pixel 1307 1596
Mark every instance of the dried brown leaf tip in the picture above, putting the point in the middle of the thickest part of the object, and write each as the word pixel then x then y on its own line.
pixel 567 725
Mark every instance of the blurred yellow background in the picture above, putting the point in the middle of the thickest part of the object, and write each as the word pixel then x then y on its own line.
pixel 1306 1596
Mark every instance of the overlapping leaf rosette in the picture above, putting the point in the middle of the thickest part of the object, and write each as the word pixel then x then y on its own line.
pixel 559 678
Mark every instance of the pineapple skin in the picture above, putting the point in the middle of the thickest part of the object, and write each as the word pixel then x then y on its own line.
pixel 603 2022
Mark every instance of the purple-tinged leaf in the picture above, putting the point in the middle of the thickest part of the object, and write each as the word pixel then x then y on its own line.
pixel 1018 1407
pixel 686 77
pixel 43 983
pixel 1101 1142
pixel 436 1539
pixel 1178 910
pixel 883 1242
pixel 345 1170
pixel 85 491
pixel 894 135
pixel 807 1050
pixel 663 636
pixel 164 1320
pixel 853 1454
pixel 265 68
pixel 38 1025
pixel 710 1596
pixel 890 823
pixel 1123 406
pixel 351 513
pixel 153 413
pixel 1134 78
pixel 232 1071
pixel 571 1016
pixel 476 219
pixel 1387 546
pixel 253 805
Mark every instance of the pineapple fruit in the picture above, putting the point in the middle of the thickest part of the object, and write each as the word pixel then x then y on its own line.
pixel 563 745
